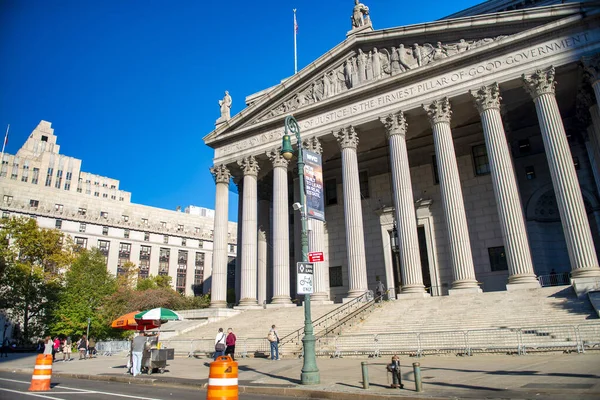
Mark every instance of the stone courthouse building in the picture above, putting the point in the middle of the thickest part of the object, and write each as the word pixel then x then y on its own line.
pixel 459 156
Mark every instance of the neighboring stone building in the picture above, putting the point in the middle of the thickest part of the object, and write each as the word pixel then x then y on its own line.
pixel 40 182
pixel 476 137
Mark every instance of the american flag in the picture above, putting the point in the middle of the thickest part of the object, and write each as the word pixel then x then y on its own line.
pixel 295 23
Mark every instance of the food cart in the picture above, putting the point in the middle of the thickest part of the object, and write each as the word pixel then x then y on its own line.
pixel 155 360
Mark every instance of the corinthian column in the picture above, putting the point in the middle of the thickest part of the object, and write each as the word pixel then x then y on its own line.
pixel 316 242
pixel 249 232
pixel 592 67
pixel 281 234
pixel 406 218
pixel 218 288
pixel 584 263
pixel 355 240
pixel 512 224
pixel 454 208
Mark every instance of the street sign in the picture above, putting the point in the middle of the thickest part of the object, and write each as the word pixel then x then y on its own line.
pixel 304 278
pixel 315 256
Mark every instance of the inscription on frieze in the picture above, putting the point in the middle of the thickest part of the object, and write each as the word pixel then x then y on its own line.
pixel 477 71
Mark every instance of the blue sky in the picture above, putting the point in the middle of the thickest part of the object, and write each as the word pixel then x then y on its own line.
pixel 131 87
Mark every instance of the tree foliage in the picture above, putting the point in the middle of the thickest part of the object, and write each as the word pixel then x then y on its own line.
pixel 30 273
pixel 88 286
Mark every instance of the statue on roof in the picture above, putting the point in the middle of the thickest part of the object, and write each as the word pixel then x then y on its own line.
pixel 360 15
pixel 225 105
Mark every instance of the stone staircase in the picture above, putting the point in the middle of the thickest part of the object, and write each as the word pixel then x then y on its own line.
pixel 555 305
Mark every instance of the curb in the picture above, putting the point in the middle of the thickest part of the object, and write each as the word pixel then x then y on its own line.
pixel 266 390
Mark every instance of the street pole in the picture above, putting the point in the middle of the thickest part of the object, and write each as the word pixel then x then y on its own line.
pixel 88 329
pixel 310 371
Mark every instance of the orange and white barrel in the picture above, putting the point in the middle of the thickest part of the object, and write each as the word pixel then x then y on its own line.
pixel 42 373
pixel 223 379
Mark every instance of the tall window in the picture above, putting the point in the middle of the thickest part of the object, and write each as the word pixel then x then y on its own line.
pixel 480 160
pixel 25 174
pixel 163 263
pixel 198 273
pixel 34 203
pixel 49 176
pixel 165 239
pixel 105 230
pixel 126 233
pixel 82 227
pixel 80 242
pixel 124 254
pixel 104 247
pixel 58 179
pixel 182 258
pixel 15 171
pixel 144 270
pixel 335 277
pixel 146 236
pixel 330 192
pixel 35 176
pixel 58 224
pixel 498 258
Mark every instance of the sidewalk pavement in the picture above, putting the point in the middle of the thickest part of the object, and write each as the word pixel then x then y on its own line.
pixel 543 376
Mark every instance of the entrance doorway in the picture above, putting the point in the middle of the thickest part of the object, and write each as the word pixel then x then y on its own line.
pixel 424 258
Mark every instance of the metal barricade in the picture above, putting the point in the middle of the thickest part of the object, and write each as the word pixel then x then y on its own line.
pixel 443 342
pixel 355 345
pixel 397 343
pixel 500 340
pixel 110 347
pixel 589 336
pixel 544 338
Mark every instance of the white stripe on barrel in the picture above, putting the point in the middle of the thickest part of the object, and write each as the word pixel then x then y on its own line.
pixel 222 381
pixel 43 367
pixel 34 377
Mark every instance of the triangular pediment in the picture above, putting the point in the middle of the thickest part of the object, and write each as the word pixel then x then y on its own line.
pixel 376 57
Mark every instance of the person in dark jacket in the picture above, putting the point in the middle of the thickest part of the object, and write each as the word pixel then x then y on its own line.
pixel 230 342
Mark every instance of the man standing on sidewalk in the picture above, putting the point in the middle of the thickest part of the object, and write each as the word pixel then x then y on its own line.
pixel 137 349
pixel 273 338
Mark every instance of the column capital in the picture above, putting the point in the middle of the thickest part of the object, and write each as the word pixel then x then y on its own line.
pixel 487 97
pixel 438 111
pixel 591 65
pixel 249 166
pixel 277 159
pixel 313 144
pixel 540 82
pixel 395 124
pixel 220 173
pixel 347 137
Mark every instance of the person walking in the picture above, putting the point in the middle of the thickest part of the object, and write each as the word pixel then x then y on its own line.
pixel 91 347
pixel 137 350
pixel 273 338
pixel 82 345
pixel 220 343
pixel 66 345
pixel 55 348
pixel 379 291
pixel 230 342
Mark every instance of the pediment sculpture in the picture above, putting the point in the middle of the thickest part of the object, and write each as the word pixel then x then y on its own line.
pixel 363 67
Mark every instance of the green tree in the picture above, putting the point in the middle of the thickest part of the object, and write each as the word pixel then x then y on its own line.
pixel 88 286
pixel 30 278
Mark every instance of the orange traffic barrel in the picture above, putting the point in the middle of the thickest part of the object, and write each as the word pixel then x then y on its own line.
pixel 42 373
pixel 223 379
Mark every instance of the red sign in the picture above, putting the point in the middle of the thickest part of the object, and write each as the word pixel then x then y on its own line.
pixel 315 256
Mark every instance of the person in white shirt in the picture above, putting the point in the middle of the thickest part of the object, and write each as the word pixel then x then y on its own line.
pixel 220 343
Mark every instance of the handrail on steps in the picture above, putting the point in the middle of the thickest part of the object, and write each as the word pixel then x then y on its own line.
pixel 366 297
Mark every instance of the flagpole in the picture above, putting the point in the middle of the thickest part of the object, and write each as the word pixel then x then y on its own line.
pixel 4 145
pixel 295 49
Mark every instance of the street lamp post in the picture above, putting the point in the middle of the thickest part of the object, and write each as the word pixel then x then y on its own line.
pixel 310 372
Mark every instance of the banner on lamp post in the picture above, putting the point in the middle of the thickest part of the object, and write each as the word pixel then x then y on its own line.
pixel 313 185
